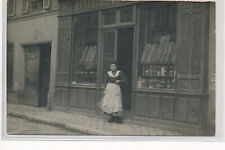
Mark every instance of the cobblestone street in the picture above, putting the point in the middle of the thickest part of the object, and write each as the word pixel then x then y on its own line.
pixel 20 126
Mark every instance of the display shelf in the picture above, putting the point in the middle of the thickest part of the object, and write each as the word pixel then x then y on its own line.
pixel 157 76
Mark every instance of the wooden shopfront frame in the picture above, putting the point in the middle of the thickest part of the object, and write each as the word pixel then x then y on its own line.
pixel 114 28
pixel 66 85
pixel 175 96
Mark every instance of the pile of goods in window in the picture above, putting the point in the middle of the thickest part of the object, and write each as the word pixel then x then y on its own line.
pixel 158 64
pixel 88 60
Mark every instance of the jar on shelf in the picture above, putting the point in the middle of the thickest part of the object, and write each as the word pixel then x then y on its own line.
pixel 162 83
pixel 162 71
pixel 168 84
pixel 158 71
pixel 150 83
pixel 139 85
pixel 143 70
pixel 142 83
pixel 151 70
pixel 171 71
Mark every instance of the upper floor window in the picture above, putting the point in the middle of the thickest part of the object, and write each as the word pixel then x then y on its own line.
pixel 39 4
pixel 35 5
pixel 11 6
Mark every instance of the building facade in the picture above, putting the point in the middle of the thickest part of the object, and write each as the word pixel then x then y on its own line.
pixel 61 51
pixel 32 27
pixel 165 49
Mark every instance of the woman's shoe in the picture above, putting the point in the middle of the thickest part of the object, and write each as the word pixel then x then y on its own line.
pixel 118 120
pixel 111 119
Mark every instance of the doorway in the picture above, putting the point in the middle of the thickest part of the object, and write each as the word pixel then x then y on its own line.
pixel 45 59
pixel 118 45
pixel 37 74
pixel 125 61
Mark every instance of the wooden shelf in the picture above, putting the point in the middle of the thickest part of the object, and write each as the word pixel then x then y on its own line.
pixel 160 64
pixel 168 91
pixel 159 77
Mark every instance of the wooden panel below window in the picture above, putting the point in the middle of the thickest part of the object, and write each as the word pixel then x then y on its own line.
pixel 82 95
pixel 141 104
pixel 154 106
pixel 65 97
pixel 91 98
pixel 195 84
pixel 167 107
pixel 194 110
pixel 181 109
pixel 182 83
pixel 58 93
pixel 101 93
pixel 74 97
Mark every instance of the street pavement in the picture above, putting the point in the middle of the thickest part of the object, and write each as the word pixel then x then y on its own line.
pixel 85 124
pixel 19 126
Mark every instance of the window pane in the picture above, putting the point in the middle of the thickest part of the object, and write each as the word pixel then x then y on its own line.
pixel 85 49
pixel 109 17
pixel 37 5
pixel 108 50
pixel 11 7
pixel 126 14
pixel 157 44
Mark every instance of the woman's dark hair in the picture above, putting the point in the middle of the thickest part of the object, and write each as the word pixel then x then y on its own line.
pixel 114 62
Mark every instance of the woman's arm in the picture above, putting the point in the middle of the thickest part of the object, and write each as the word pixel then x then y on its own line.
pixel 122 78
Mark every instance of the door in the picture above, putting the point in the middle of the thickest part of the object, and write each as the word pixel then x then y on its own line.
pixel 118 45
pixel 45 59
pixel 32 64
pixel 109 49
pixel 124 58
pixel 9 66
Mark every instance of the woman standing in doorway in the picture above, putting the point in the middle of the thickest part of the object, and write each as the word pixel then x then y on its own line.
pixel 111 103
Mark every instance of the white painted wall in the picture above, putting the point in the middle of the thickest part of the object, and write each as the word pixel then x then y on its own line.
pixel 32 30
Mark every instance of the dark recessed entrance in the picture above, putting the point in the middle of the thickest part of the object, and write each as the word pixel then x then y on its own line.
pixel 37 73
pixel 125 60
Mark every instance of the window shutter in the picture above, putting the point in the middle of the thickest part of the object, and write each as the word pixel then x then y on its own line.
pixel 25 8
pixel 11 6
pixel 46 4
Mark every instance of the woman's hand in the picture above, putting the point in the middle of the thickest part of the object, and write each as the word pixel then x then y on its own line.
pixel 117 81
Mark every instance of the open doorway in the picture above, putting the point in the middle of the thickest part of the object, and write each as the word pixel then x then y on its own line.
pixel 125 60
pixel 45 59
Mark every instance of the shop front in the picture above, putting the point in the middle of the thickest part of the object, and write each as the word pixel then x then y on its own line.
pixel 162 48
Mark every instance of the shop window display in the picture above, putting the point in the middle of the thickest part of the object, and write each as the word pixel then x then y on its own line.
pixel 85 49
pixel 157 48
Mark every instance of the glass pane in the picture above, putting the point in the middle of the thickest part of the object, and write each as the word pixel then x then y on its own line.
pixel 108 51
pixel 157 44
pixel 109 17
pixel 85 49
pixel 126 14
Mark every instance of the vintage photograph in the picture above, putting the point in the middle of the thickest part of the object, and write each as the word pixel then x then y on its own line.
pixel 110 68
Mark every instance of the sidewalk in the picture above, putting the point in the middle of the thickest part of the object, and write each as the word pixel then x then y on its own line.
pixel 83 123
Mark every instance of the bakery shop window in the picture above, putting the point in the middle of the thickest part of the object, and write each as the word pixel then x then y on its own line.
pixel 85 49
pixel 157 46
